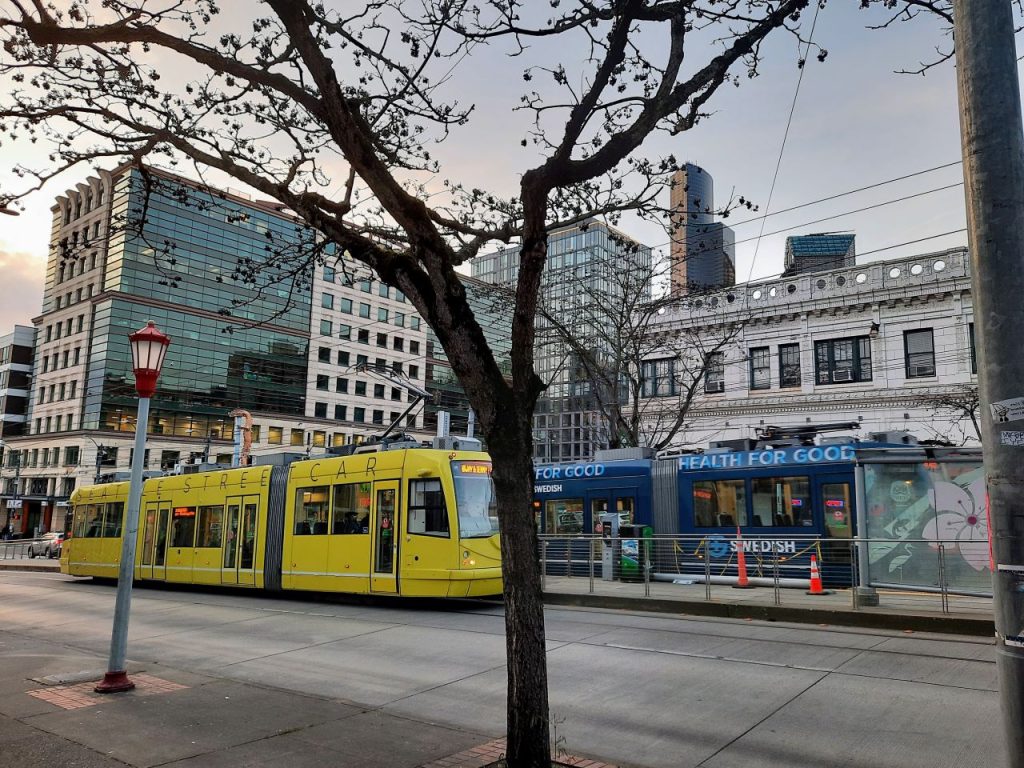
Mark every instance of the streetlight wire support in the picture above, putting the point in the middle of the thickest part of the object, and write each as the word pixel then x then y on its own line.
pixel 149 347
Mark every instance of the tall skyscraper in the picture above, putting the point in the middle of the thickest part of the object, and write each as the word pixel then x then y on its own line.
pixel 577 282
pixel 703 251
pixel 816 253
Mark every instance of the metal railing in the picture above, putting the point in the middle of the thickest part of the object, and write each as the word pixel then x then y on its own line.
pixel 18 549
pixel 907 570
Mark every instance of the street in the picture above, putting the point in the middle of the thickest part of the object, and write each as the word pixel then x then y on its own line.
pixel 631 688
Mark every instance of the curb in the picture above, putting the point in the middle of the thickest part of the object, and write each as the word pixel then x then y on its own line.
pixel 916 622
pixel 14 565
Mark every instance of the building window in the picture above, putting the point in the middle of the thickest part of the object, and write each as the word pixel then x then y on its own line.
pixel 364 336
pixel 341 412
pixel 361 388
pixel 361 360
pixel 323 354
pixel 275 435
pixel 760 368
pixel 345 305
pixel 359 414
pixel 919 352
pixel 382 314
pixel 364 310
pixel 378 391
pixel 382 340
pixel 71 456
pixel 341 385
pixel 345 332
pixel 298 437
pixel 714 373
pixel 365 286
pixel 320 437
pixel 327 301
pixel 414 371
pixel 378 417
pixel 329 274
pixel 414 347
pixel 322 381
pixel 399 344
pixel 658 378
pixel 320 410
pixel 396 393
pixel 325 328
pixel 400 319
pixel 343 358
pixel 970 339
pixel 789 365
pixel 255 433
pixel 838 361
pixel 382 290
pixel 414 323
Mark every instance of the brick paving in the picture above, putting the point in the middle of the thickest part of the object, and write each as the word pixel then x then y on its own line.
pixel 492 751
pixel 82 694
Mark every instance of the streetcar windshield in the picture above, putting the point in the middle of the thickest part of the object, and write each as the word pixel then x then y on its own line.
pixel 474 499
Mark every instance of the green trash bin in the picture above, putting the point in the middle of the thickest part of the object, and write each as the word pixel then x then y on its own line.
pixel 635 554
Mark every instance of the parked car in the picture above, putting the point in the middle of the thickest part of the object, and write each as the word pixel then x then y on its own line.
pixel 48 545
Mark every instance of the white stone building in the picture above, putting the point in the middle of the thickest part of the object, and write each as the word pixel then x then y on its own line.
pixel 880 344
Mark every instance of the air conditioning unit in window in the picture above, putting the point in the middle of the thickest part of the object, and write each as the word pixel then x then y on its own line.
pixel 922 370
pixel 845 374
pixel 714 386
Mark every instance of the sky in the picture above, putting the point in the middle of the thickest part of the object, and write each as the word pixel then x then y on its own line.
pixel 855 123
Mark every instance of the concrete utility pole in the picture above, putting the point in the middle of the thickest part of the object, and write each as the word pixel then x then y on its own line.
pixel 993 151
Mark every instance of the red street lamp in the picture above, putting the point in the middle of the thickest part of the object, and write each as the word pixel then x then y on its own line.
pixel 149 347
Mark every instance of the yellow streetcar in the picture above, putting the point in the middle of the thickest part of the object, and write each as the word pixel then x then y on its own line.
pixel 396 521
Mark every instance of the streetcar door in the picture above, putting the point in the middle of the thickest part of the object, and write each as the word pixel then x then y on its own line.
pixel 598 506
pixel 384 514
pixel 837 506
pixel 238 554
pixel 154 556
pixel 148 540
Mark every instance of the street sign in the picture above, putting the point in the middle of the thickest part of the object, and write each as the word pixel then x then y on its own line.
pixel 14 503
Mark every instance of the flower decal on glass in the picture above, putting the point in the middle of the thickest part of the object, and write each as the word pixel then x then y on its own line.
pixel 961 520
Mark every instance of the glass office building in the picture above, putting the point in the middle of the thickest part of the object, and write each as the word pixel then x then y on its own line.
pixel 176 255
pixel 703 251
pixel 583 273
pixel 817 253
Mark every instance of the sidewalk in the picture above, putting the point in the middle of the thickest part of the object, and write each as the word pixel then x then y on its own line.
pixel 914 611
pixel 50 716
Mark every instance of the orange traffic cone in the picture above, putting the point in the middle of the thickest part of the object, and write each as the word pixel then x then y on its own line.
pixel 741 564
pixel 816 588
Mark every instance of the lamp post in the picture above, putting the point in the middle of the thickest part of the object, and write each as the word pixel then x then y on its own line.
pixel 148 349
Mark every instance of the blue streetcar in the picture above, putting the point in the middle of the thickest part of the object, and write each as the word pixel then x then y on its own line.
pixel 787 503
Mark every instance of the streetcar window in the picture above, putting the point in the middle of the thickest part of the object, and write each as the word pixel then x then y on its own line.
pixel 94 526
pixel 82 514
pixel 113 519
pixel 428 514
pixel 719 503
pixel 183 527
pixel 781 501
pixel 563 516
pixel 625 506
pixel 311 510
pixel 351 508
pixel 211 521
pixel 475 500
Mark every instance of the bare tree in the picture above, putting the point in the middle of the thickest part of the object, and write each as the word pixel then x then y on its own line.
pixel 621 360
pixel 302 100
pixel 959 406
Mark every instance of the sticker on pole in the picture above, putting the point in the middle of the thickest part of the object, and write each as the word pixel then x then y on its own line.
pixel 1007 410
pixel 1011 438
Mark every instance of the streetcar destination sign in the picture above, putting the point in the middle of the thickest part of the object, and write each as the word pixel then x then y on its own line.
pixel 818 454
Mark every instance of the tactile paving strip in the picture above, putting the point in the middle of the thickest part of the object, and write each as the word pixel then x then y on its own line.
pixel 82 694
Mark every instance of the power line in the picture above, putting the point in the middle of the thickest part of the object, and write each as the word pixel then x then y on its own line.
pixel 845 194
pixel 785 137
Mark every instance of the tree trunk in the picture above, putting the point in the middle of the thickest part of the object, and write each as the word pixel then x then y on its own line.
pixel 511 448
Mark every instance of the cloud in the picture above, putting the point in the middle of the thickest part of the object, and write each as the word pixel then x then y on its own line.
pixel 23 275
